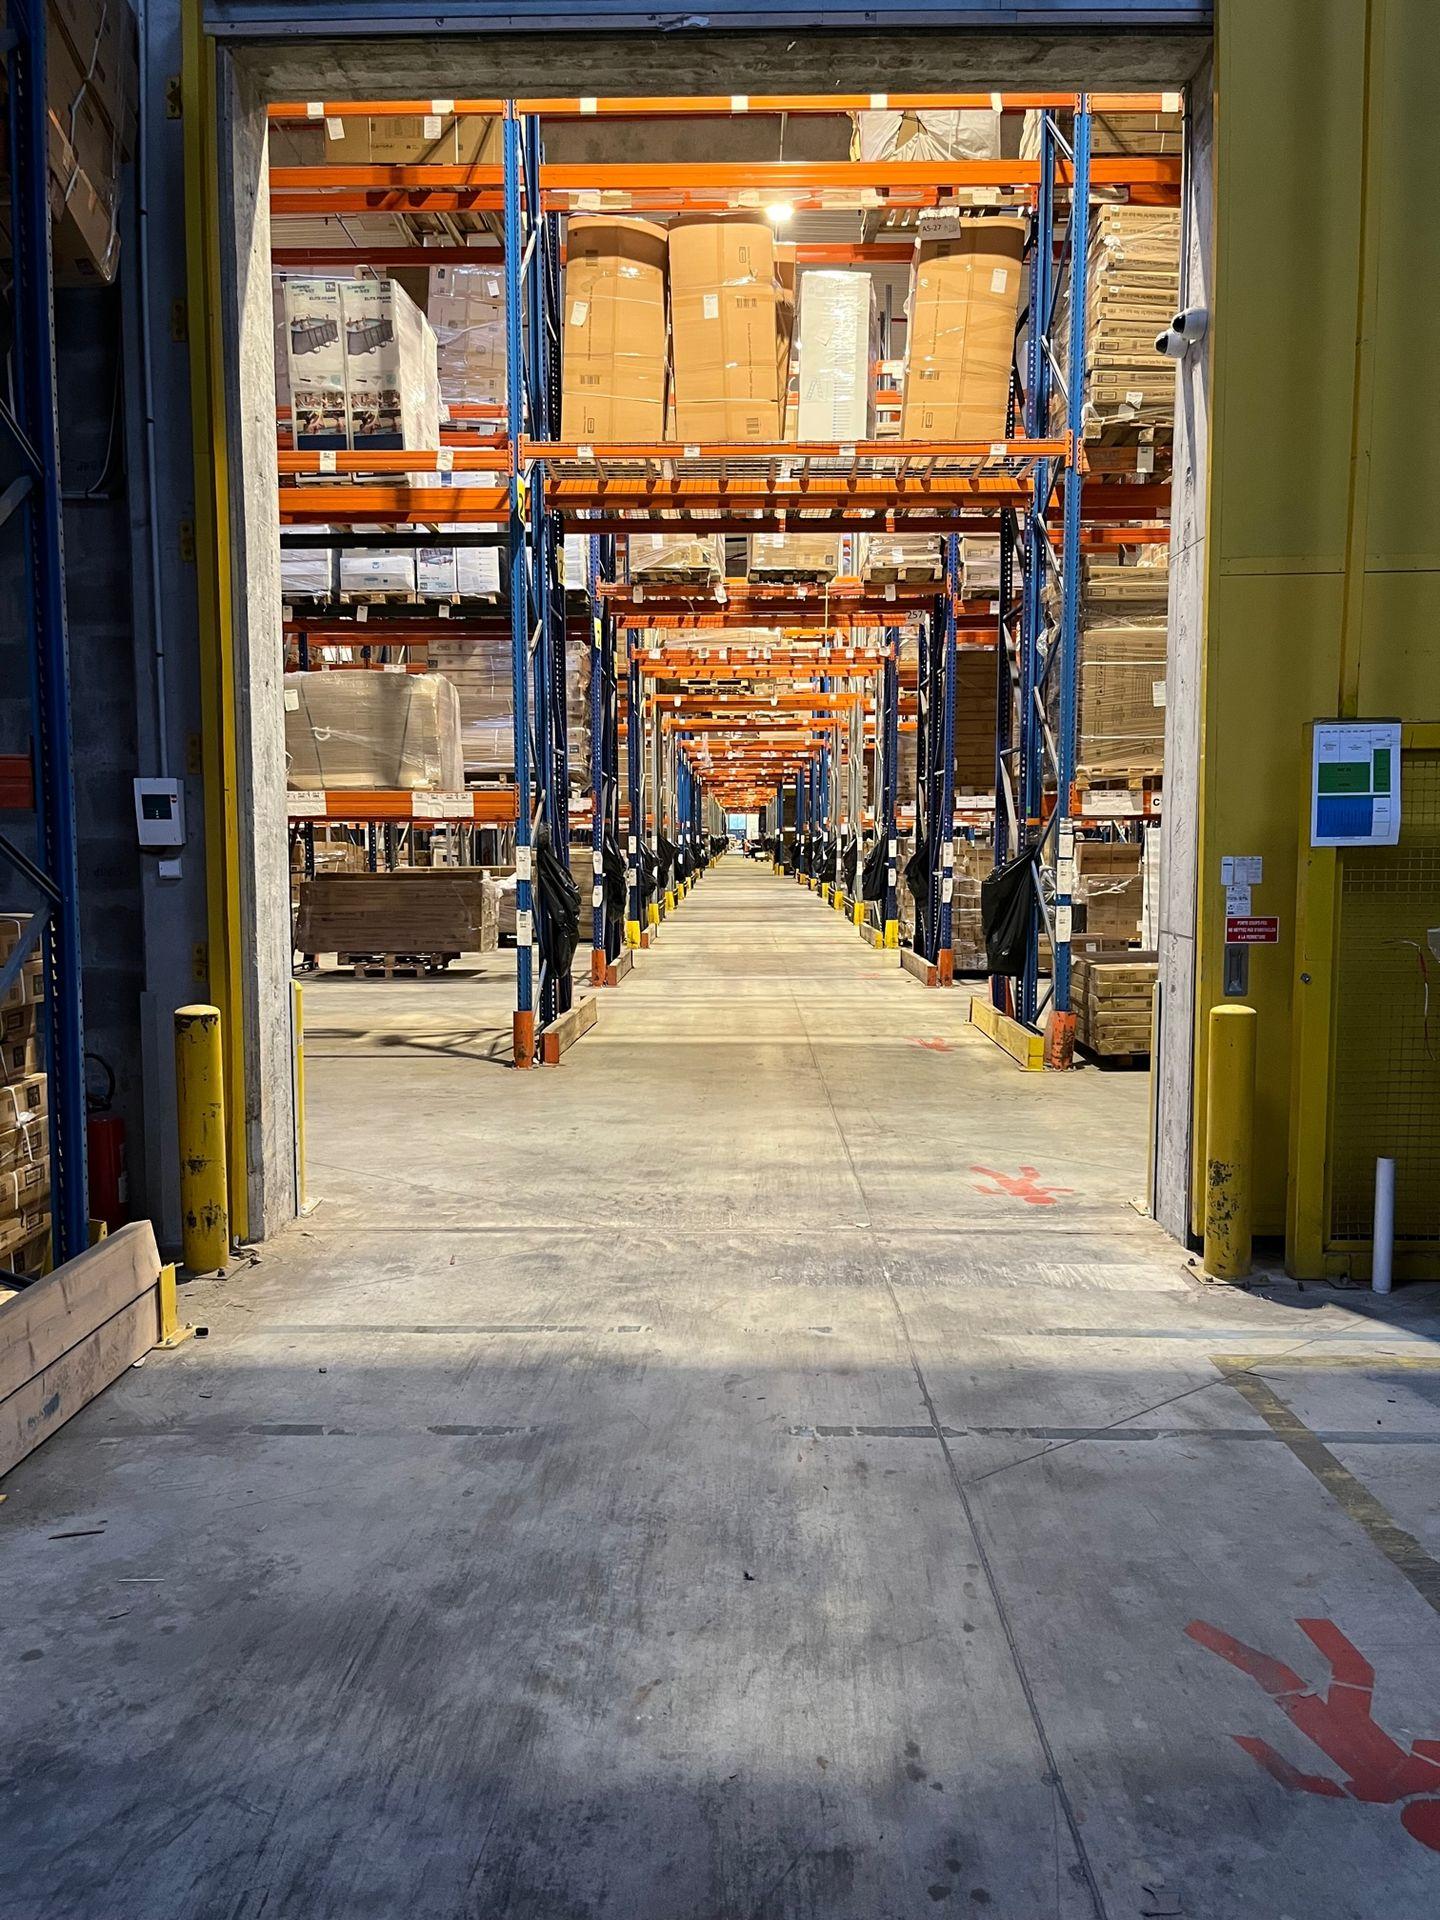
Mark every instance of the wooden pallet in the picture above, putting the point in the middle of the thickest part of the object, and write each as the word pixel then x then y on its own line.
pixel 396 966
pixel 789 577
pixel 704 579
pixel 1118 777
pixel 393 597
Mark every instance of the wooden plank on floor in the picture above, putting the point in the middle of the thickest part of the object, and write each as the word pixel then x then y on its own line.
pixel 619 967
pixel 64 1339
pixel 1025 1048
pixel 916 964
pixel 562 1033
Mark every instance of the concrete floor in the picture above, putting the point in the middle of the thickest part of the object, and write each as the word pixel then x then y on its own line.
pixel 720 1480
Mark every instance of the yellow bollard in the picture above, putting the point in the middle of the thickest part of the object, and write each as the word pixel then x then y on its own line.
pixel 1229 1141
pixel 892 934
pixel 200 1099
pixel 632 933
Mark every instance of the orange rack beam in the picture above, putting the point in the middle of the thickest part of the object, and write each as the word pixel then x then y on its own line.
pixel 711 105
pixel 484 806
pixel 463 459
pixel 384 506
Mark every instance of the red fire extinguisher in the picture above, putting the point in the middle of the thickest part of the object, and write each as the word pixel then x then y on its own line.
pixel 105 1155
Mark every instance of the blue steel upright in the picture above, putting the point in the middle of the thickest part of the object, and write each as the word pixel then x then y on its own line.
pixel 33 430
pixel 890 783
pixel 522 597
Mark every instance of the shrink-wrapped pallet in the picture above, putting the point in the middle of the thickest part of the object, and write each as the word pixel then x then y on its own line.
pixel 884 557
pixel 357 730
pixel 677 556
pixel 839 344
pixel 794 556
pixel 725 300
pixel 964 300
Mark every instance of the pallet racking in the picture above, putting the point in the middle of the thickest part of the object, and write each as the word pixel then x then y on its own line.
pixel 708 751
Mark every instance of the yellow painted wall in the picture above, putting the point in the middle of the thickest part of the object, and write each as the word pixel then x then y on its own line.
pixel 1328 234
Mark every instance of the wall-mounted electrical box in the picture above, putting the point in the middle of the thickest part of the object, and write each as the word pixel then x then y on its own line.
pixel 160 813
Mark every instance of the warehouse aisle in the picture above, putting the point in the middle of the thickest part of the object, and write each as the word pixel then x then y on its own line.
pixel 765 1468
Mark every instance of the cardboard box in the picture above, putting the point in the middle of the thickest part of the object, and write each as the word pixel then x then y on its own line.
pixel 21 1020
pixel 308 573
pixel 614 339
pixel 24 1187
pixel 481 671
pixel 466 309
pixel 358 730
pixel 24 1122
pixel 100 40
pixel 413 910
pixel 414 140
pixel 315 361
pixel 21 1057
pixel 964 300
pixel 883 557
pixel 839 344
pixel 371 570
pixel 724 303
pixel 392 387
pixel 85 152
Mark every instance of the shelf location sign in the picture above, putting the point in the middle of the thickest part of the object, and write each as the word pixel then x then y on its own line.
pixel 1355 784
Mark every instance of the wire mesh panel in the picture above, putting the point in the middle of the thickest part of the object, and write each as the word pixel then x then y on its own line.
pixel 1387 1022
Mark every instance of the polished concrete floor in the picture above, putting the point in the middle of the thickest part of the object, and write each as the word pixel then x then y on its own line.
pixel 764 1469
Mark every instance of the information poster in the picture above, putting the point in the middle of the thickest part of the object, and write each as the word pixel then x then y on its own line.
pixel 1355 784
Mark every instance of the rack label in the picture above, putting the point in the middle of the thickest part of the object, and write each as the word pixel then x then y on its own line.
pixel 306 803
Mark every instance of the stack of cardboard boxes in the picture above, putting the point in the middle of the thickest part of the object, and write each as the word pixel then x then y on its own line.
pixel 90 93
pixel 24 1112
pixel 964 298
pixel 362 731
pixel 1109 888
pixel 362 369
pixel 1121 667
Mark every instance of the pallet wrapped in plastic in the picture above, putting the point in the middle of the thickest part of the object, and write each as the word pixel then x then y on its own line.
pixel 480 668
pixel 883 557
pixel 969 133
pixel 308 573
pixel 351 731
pixel 466 309
pixel 794 556
pixel 839 342
pixel 979 566
pixel 677 556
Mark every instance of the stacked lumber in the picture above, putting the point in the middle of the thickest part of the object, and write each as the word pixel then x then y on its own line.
pixel 973 860
pixel 415 911
pixel 1110 888
pixel 1112 995
pixel 24 1113
pixel 1121 667
pixel 975 700
pixel 1132 291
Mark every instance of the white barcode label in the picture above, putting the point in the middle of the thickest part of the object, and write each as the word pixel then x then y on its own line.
pixel 442 106
pixel 1064 919
pixel 430 130
pixel 692 450
pixel 523 857
pixel 524 929
pixel 1065 876
pixel 597 896
pixel 1172 103
pixel 589 104
pixel 362 611
pixel 597 860
pixel 315 109
pixel 327 460
pixel 306 804
pixel 879 102
pixel 632 846
pixel 710 304
pixel 334 127
pixel 1157 693
pixel 999 280
pixel 579 309
pixel 947 888
pixel 445 460
pixel 292 699
pixel 739 103
pixel 997 103
pixel 392 666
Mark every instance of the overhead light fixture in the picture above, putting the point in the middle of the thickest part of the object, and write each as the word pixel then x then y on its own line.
pixel 780 212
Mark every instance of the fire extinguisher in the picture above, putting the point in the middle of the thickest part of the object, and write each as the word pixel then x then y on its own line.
pixel 105 1153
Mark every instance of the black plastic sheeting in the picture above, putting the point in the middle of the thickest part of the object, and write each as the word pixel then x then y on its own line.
pixel 667 852
pixel 1005 905
pixel 873 874
pixel 559 917
pixel 917 879
pixel 849 859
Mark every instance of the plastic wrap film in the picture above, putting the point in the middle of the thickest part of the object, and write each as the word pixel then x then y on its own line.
pixel 391 380
pixel 1110 887
pixel 969 133
pixel 1121 696
pixel 576 562
pixel 794 556
pixel 614 336
pixel 884 557
pixel 430 139
pixel 668 556
pixel 838 347
pixel 479 667
pixel 308 573
pixel 725 300
pixel 466 309
pixel 577 713
pixel 964 300
pixel 357 730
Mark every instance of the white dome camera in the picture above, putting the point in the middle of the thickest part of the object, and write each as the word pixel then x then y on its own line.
pixel 1186 330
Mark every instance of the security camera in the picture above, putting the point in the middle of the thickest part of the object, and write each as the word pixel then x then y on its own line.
pixel 1183 332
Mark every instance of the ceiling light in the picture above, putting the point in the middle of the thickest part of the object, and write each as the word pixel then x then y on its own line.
pixel 780 212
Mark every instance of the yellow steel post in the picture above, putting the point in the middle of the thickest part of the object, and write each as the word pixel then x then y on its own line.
pixel 892 933
pixel 632 933
pixel 1229 1141
pixel 170 1331
pixel 200 1096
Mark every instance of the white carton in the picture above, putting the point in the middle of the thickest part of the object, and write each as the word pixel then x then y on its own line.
pixel 839 343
